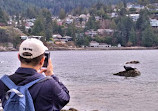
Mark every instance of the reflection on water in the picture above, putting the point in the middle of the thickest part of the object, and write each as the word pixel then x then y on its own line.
pixel 88 76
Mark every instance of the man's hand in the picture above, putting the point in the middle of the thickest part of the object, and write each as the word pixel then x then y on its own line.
pixel 49 70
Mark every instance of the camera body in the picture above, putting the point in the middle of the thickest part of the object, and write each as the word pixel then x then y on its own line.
pixel 47 56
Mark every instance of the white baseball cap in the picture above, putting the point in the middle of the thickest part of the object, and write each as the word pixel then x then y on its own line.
pixel 33 46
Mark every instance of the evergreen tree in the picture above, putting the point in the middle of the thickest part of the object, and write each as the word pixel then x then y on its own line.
pixel 132 37
pixel 123 12
pixel 48 24
pixel 61 31
pixel 92 24
pixel 113 25
pixel 124 26
pixel 62 14
pixel 30 13
pixel 143 20
pixel 101 12
pixel 82 41
pixel 38 28
pixel 55 27
pixel 48 31
pixel 3 17
pixel 77 11
pixel 71 30
pixel 4 37
pixel 148 37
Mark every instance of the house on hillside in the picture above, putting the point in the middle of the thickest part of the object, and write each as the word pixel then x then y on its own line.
pixel 27 37
pixel 108 32
pixel 98 45
pixel 134 17
pixel 136 6
pixel 94 44
pixel 66 38
pixel 36 37
pixel 69 21
pixel 84 17
pixel 54 18
pixel 119 45
pixel 61 39
pixel 59 22
pixel 10 21
pixel 56 37
pixel 91 33
pixel 29 25
pixel 97 18
pixel 113 15
pixel 104 45
pixel 154 23
pixel 31 20
pixel 23 37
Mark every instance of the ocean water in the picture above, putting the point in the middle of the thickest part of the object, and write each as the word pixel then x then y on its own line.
pixel 89 77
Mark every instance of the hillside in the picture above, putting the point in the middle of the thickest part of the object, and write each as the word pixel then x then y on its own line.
pixel 10 34
pixel 18 6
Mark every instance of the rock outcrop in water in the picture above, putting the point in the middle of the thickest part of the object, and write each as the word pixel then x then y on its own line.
pixel 133 62
pixel 129 72
pixel 73 109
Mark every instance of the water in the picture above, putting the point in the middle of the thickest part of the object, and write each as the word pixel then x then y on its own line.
pixel 88 76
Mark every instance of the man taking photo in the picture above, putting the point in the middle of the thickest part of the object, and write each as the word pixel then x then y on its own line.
pixel 47 95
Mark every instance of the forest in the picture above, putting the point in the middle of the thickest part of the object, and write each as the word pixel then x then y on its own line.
pixel 18 6
pixel 126 31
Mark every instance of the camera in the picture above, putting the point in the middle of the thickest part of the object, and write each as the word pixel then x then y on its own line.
pixel 47 56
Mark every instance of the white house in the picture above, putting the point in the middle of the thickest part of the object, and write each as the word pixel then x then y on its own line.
pixel 154 23
pixel 119 45
pixel 134 16
pixel 97 18
pixel 68 21
pixel 36 37
pixel 31 20
pixel 136 6
pixel 105 31
pixel 99 45
pixel 113 15
pixel 23 37
pixel 64 39
pixel 84 17
pixel 104 45
pixel 27 37
pixel 94 44
pixel 56 36
pixel 28 25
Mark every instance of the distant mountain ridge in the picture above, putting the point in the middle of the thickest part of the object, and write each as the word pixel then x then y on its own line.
pixel 17 6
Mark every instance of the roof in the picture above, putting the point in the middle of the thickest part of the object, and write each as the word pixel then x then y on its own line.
pixel 93 42
pixel 67 37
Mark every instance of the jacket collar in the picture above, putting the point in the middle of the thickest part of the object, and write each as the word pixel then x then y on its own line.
pixel 26 71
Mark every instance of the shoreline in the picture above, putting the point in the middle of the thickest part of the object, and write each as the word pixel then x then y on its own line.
pixel 93 48
pixel 123 48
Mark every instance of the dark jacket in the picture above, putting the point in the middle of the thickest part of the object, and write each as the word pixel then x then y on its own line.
pixel 48 95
